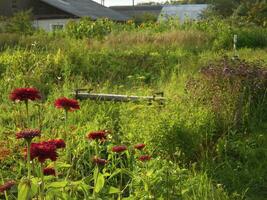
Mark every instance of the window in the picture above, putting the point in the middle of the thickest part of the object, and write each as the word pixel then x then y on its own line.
pixel 56 27
pixel 14 5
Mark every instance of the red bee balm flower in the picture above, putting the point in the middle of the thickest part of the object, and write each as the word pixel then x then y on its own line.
pixel 49 171
pixel 25 94
pixel 98 135
pixel 139 146
pixel 43 151
pixel 119 149
pixel 145 158
pixel 28 134
pixel 59 143
pixel 67 104
pixel 7 186
pixel 99 161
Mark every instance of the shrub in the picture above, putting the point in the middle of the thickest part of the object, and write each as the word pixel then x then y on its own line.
pixel 8 40
pixel 20 23
pixel 235 89
pixel 87 28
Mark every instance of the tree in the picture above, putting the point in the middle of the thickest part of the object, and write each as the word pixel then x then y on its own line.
pixel 19 23
pixel 254 11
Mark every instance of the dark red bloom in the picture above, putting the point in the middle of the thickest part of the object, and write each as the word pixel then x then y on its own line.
pixel 119 149
pixel 98 135
pixel 67 104
pixel 7 186
pixel 59 143
pixel 43 151
pixel 144 158
pixel 49 171
pixel 99 161
pixel 25 94
pixel 28 134
pixel 139 146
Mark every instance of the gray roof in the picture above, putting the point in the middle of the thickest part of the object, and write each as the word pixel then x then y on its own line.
pixel 82 8
pixel 137 7
pixel 134 11
pixel 182 12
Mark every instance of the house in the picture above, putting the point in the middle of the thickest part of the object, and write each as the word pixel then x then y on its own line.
pixel 182 12
pixel 54 14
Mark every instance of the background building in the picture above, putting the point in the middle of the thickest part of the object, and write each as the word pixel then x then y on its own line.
pixel 50 14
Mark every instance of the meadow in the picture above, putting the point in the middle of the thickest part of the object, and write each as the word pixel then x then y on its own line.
pixel 206 142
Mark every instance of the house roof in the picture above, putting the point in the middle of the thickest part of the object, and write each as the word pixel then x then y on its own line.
pixel 138 7
pixel 133 11
pixel 182 12
pixel 83 8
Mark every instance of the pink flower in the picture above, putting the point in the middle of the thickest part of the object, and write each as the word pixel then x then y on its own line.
pixel 43 151
pixel 28 134
pixel 139 146
pixel 49 171
pixel 98 135
pixel 119 149
pixel 7 186
pixel 99 161
pixel 59 143
pixel 67 104
pixel 24 94
pixel 144 158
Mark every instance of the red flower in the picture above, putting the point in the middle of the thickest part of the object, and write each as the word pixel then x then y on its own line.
pixel 59 143
pixel 43 151
pixel 25 94
pixel 139 146
pixel 99 161
pixel 144 158
pixel 119 149
pixel 67 104
pixel 28 134
pixel 49 171
pixel 7 186
pixel 98 135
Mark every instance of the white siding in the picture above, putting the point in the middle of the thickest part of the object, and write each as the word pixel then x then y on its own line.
pixel 47 24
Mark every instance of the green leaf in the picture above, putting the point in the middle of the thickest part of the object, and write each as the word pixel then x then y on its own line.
pixel 24 190
pixel 99 183
pixel 34 186
pixel 117 171
pixel 95 174
pixel 61 165
pixel 113 190
pixel 59 184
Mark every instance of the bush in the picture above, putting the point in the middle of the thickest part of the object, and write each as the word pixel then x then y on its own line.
pixel 235 89
pixel 9 40
pixel 21 23
pixel 86 28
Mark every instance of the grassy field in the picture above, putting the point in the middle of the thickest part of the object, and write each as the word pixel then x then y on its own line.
pixel 207 142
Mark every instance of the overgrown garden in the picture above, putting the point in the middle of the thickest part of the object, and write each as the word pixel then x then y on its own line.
pixel 206 142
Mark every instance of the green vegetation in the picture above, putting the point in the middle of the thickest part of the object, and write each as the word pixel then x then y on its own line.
pixel 207 142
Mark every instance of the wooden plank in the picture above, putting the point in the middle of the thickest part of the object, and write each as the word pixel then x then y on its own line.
pixel 81 95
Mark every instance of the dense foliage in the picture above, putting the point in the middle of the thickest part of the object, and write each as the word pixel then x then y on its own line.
pixel 206 142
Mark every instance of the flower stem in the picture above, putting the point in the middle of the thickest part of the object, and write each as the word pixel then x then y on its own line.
pixel 42 182
pixel 66 120
pixel 29 158
pixel 120 179
pixel 96 149
pixel 27 112
pixel 6 196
